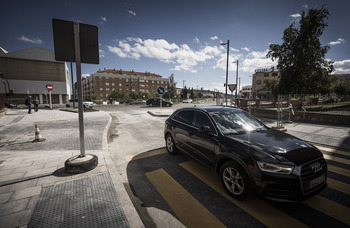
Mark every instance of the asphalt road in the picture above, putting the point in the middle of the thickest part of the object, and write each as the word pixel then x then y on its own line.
pixel 175 191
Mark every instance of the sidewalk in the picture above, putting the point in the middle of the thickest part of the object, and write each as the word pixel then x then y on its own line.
pixel 34 189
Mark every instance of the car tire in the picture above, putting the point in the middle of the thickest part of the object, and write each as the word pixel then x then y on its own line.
pixel 235 180
pixel 170 144
pixel 67 105
pixel 150 105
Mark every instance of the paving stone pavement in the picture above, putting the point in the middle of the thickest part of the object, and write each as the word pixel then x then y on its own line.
pixel 28 170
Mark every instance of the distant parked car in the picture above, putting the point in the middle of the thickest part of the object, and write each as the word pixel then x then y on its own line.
pixel 156 102
pixel 87 104
pixel 187 101
pixel 137 102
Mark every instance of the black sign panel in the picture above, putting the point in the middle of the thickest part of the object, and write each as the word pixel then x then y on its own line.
pixel 63 34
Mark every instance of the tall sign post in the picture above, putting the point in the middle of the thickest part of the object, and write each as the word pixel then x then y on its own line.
pixel 75 42
pixel 49 88
pixel 161 91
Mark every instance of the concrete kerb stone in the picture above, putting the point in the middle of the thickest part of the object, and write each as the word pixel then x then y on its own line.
pixel 159 113
pixel 129 210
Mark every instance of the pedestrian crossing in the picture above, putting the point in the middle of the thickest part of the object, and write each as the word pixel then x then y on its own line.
pixel 329 208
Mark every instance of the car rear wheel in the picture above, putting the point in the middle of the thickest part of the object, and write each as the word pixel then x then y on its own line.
pixel 170 144
pixel 235 180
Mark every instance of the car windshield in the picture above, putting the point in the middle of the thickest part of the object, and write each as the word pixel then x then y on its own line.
pixel 230 121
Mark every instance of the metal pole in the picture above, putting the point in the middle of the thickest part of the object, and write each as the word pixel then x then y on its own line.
pixel 50 100
pixel 80 93
pixel 228 49
pixel 73 90
pixel 237 78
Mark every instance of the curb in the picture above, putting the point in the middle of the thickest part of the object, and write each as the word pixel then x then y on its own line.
pixel 158 115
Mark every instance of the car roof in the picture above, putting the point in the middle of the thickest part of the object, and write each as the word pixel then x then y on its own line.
pixel 211 108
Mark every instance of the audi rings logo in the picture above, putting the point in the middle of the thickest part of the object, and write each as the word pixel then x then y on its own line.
pixel 315 167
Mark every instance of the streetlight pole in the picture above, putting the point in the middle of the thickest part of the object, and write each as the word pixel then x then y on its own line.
pixel 183 89
pixel 236 76
pixel 228 49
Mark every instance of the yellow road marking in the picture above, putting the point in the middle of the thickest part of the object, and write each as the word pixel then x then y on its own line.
pixel 330 208
pixel 186 207
pixel 146 154
pixel 334 150
pixel 341 171
pixel 339 186
pixel 259 209
pixel 336 159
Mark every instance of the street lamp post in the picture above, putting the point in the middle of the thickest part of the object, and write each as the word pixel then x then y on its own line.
pixel 236 76
pixel 228 48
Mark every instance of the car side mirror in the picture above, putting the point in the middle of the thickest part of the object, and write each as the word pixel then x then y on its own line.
pixel 205 129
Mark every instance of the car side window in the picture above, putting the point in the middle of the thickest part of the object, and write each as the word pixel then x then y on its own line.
pixel 184 117
pixel 202 120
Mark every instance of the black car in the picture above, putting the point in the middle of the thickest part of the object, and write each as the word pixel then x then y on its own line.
pixel 156 102
pixel 249 157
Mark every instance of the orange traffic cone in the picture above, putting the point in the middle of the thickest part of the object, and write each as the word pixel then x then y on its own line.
pixel 38 137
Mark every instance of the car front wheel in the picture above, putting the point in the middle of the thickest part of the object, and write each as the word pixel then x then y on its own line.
pixel 235 180
pixel 170 144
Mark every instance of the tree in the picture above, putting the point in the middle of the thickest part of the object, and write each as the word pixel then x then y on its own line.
pixel 342 89
pixel 172 86
pixel 301 58
pixel 184 93
pixel 116 95
pixel 272 85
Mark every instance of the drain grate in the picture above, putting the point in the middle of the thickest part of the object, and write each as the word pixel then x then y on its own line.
pixel 87 202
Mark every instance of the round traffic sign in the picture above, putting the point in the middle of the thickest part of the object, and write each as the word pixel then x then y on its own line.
pixel 49 87
pixel 160 90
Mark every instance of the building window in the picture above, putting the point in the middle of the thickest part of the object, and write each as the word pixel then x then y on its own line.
pixel 120 84
pixel 112 83
pixel 107 89
pixel 107 83
pixel 101 89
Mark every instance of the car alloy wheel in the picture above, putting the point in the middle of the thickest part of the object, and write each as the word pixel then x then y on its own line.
pixel 170 144
pixel 235 180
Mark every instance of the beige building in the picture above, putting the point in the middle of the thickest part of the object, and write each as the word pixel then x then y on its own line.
pixel 103 82
pixel 27 72
pixel 258 82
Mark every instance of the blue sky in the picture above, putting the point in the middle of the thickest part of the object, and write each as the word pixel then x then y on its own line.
pixel 177 37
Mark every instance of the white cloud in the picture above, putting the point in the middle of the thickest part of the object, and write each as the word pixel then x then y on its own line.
pixel 342 67
pixel 339 41
pixel 234 49
pixel 196 40
pixel 258 54
pixel 214 38
pixel 245 49
pixel 305 6
pixel 250 65
pixel 34 40
pixel 102 53
pixel 103 20
pixel 182 56
pixel 295 16
pixel 131 13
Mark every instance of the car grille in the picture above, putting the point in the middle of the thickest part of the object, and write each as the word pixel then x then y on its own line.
pixel 313 174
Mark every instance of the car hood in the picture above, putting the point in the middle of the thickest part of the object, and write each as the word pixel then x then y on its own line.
pixel 274 144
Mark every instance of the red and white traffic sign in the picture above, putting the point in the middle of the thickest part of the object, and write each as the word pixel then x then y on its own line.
pixel 49 87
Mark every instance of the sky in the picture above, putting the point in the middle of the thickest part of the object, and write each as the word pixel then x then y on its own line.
pixel 178 37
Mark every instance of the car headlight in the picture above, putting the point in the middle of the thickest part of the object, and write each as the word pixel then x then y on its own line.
pixel 275 168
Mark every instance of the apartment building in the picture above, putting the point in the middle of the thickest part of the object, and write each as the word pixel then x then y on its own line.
pixel 258 82
pixel 103 82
